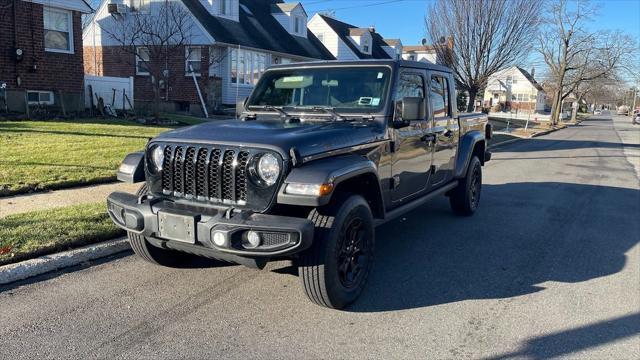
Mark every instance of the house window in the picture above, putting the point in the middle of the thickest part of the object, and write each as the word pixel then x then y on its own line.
pixel 365 45
pixel 40 97
pixel 141 6
pixel 247 66
pixel 509 80
pixel 142 61
pixel 192 60
pixel 412 57
pixel 225 7
pixel 522 97
pixel 58 30
pixel 297 25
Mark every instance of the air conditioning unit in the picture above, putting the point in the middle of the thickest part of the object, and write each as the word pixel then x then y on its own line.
pixel 116 9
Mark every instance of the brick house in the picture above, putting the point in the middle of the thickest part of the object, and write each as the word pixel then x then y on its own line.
pixel 243 36
pixel 41 61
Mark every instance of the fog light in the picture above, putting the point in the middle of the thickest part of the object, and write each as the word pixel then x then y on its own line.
pixel 219 239
pixel 251 240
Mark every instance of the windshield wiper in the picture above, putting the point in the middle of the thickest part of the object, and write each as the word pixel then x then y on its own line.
pixel 271 108
pixel 327 109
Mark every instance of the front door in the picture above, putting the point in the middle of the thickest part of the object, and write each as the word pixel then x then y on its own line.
pixel 444 128
pixel 412 154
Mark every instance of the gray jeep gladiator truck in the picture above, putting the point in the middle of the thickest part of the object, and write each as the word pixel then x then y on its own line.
pixel 321 154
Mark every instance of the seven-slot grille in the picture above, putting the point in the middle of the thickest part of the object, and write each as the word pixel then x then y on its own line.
pixel 205 172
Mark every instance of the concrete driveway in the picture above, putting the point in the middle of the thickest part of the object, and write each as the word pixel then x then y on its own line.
pixel 548 267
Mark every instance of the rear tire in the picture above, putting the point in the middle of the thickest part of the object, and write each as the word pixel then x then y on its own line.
pixel 465 198
pixel 335 269
pixel 150 253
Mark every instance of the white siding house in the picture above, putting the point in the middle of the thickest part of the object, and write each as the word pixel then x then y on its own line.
pixel 514 88
pixel 346 41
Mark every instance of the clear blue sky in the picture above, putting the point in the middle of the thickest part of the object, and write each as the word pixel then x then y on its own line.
pixel 404 19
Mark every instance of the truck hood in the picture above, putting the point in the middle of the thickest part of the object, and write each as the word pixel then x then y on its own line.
pixel 309 138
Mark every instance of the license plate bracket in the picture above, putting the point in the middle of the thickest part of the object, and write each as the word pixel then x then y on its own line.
pixel 177 226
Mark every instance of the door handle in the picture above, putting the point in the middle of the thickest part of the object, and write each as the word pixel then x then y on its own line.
pixel 429 138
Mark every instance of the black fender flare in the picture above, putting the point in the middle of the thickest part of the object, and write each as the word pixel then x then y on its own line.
pixel 465 150
pixel 333 170
pixel 132 168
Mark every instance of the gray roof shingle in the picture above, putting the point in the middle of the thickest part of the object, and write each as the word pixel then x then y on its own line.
pixel 258 29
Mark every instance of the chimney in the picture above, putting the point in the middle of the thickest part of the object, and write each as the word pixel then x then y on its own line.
pixel 533 72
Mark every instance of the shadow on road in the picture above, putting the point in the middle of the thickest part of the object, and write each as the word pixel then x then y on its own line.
pixel 577 339
pixel 524 234
pixel 546 144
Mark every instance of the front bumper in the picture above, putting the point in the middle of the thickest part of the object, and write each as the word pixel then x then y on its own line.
pixel 166 224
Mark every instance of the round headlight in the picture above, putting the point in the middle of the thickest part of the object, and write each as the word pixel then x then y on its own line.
pixel 268 169
pixel 157 157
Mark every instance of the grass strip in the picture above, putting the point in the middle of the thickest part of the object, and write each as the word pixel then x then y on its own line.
pixel 37 233
pixel 43 155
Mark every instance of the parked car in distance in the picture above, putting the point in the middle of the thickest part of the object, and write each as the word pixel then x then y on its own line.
pixel 623 110
pixel 322 153
pixel 597 112
pixel 635 118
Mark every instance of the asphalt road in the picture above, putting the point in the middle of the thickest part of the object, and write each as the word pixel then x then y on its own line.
pixel 548 267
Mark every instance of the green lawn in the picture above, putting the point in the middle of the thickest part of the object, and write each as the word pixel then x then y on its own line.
pixel 28 235
pixel 37 155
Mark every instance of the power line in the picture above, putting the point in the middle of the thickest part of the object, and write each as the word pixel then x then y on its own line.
pixel 361 6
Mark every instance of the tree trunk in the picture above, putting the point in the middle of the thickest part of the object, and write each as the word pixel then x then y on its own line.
pixel 472 100
pixel 556 107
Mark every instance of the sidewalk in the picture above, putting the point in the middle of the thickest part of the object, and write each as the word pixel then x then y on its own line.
pixel 40 201
pixel 630 137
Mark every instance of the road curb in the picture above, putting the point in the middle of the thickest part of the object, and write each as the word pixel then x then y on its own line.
pixel 491 146
pixel 44 264
pixel 506 142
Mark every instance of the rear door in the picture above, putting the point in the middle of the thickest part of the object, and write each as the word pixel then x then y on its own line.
pixel 412 155
pixel 444 127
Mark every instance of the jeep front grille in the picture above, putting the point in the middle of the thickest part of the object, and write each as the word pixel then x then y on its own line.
pixel 206 173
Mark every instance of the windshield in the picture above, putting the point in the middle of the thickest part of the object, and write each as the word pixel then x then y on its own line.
pixel 346 89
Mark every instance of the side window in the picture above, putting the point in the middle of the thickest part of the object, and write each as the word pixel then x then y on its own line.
pixel 410 85
pixel 439 95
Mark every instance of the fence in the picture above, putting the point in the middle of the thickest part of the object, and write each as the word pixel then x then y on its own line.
pixel 115 92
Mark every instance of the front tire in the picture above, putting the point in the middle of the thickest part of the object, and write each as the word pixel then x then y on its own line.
pixel 465 198
pixel 150 253
pixel 335 269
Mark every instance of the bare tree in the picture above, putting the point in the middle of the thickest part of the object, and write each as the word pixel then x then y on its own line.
pixel 576 56
pixel 151 38
pixel 481 37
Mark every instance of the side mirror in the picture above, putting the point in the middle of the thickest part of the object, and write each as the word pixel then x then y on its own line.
pixel 241 106
pixel 408 109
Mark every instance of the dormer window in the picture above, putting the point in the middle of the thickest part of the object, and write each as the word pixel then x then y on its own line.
pixel 225 7
pixel 141 6
pixel 291 16
pixel 365 45
pixel 297 25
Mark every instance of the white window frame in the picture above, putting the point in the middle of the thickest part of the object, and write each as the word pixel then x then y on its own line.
pixel 246 72
pixel 139 59
pixel 366 47
pixel 70 28
pixel 225 7
pixel 144 9
pixel 188 52
pixel 39 92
